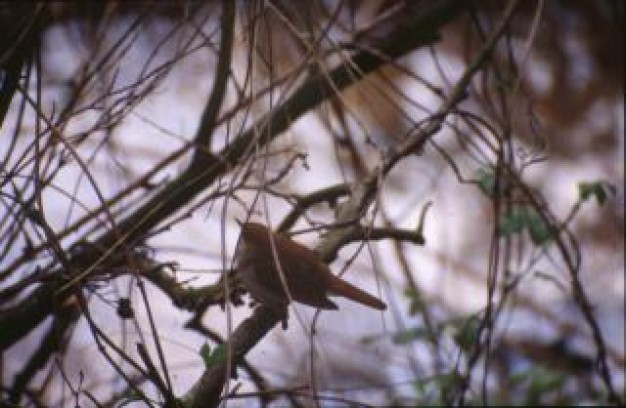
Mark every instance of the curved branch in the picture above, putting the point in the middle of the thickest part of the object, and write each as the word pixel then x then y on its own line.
pixel 212 109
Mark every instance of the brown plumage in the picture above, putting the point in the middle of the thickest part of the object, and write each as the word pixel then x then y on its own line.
pixel 308 278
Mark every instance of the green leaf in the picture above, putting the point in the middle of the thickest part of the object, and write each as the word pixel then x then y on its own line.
pixel 409 335
pixel 486 181
pixel 212 357
pixel 513 221
pixel 367 340
pixel 541 378
pixel 416 304
pixel 598 189
pixel 519 219
pixel 540 232
pixel 467 333
pixel 538 380
pixel 205 351
pixel 547 380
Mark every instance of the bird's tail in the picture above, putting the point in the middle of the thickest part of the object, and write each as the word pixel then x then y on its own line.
pixel 339 287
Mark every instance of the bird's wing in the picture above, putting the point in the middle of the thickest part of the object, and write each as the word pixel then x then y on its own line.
pixel 304 278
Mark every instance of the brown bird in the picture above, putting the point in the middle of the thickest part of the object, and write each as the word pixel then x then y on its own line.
pixel 308 279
